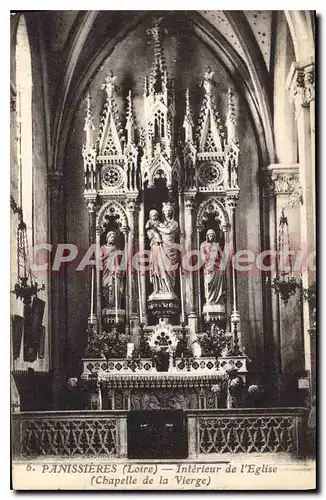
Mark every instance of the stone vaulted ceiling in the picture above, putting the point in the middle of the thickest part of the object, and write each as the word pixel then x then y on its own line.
pixel 58 26
pixel 260 22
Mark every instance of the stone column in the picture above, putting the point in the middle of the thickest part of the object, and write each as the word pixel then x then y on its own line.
pixel 131 275
pixel 301 83
pixel 228 270
pixel 126 234
pixel 199 296
pixel 91 220
pixel 189 275
pixel 182 246
pixel 271 303
pixel 57 331
pixel 229 232
pixel 285 194
pixel 92 237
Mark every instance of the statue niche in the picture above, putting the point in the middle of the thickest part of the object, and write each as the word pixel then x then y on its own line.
pixel 213 273
pixel 113 275
pixel 164 261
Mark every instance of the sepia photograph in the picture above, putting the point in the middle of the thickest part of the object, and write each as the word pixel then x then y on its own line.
pixel 162 250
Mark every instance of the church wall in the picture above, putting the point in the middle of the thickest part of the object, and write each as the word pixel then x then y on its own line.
pixel 187 60
pixel 40 212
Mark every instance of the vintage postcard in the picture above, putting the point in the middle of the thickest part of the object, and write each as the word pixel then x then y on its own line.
pixel 163 274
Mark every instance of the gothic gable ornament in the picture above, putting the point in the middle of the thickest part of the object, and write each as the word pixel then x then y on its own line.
pixel 210 129
pixel 110 138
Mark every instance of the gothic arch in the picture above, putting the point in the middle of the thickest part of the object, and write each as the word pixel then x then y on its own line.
pixel 212 205
pixel 112 208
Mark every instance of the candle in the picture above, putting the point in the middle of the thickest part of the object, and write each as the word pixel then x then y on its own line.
pixel 92 294
pixel 116 297
pixel 181 293
pixel 139 299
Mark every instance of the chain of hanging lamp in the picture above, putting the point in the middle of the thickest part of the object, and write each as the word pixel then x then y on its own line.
pixel 26 287
pixel 284 284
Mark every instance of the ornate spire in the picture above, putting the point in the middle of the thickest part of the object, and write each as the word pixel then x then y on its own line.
pixel 130 125
pixel 230 118
pixel 158 74
pixel 188 121
pixel 89 125
pixel 145 86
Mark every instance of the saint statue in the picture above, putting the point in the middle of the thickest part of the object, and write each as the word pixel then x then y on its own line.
pixel 112 276
pixel 211 255
pixel 208 80
pixel 109 84
pixel 164 254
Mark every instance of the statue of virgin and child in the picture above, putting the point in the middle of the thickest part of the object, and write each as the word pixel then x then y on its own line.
pixel 164 260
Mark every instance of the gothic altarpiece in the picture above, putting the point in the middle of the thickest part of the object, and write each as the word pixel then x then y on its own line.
pixel 162 336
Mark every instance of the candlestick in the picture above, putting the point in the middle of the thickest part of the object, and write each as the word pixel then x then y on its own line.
pixel 92 294
pixel 116 297
pixel 139 298
pixel 206 289
pixel 234 289
pixel 181 293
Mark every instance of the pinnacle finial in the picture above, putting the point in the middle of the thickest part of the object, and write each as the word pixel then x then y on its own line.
pixel 130 125
pixel 188 121
pixel 231 106
pixel 129 106
pixel 158 76
pixel 188 112
pixel 89 125
pixel 88 104
pixel 230 117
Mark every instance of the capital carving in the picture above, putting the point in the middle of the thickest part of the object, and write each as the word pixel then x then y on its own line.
pixel 309 82
pixel 302 86
pixel 131 206
pixel 189 204
pixel 231 202
pixel 55 185
pixel 91 206
pixel 281 182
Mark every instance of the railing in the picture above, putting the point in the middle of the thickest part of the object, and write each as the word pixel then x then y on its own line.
pixel 70 434
pixel 248 430
pixel 104 433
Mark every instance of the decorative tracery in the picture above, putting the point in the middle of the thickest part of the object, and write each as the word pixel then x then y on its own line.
pixel 112 211
pixel 212 207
